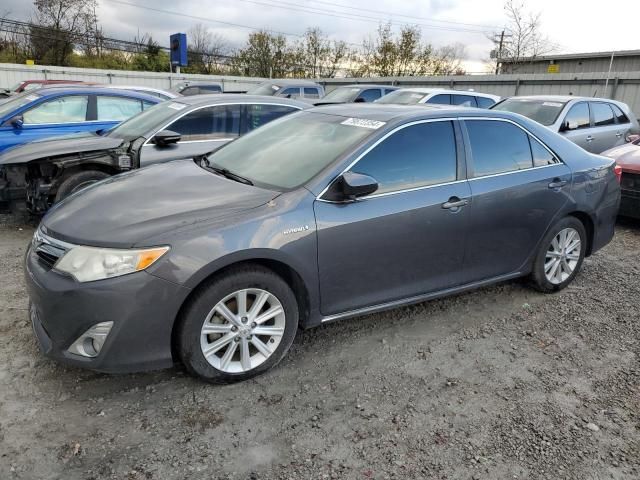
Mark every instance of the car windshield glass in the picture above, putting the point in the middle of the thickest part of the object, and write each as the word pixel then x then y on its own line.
pixel 266 88
pixel 288 152
pixel 150 119
pixel 15 102
pixel 343 94
pixel 542 111
pixel 402 97
pixel 179 87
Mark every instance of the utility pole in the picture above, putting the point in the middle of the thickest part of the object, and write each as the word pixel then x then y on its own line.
pixel 499 55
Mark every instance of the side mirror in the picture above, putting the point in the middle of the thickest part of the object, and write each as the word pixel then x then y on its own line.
pixel 569 125
pixel 164 138
pixel 350 186
pixel 359 100
pixel 16 122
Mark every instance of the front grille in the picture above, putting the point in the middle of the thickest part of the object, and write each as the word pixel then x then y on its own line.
pixel 47 249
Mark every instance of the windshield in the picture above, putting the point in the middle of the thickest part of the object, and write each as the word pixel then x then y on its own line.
pixel 265 88
pixel 402 97
pixel 289 152
pixel 14 87
pixel 542 111
pixel 150 119
pixel 16 102
pixel 342 94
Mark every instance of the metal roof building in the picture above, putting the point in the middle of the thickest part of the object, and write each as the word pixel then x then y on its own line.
pixel 623 61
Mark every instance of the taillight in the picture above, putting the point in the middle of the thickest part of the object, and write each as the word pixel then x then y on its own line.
pixel 617 170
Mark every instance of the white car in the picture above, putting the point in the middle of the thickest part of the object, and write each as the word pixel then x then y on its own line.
pixel 414 96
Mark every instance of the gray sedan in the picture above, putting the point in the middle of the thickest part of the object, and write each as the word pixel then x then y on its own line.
pixel 596 124
pixel 325 214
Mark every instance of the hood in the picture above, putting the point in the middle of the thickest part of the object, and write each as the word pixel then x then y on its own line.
pixel 124 210
pixel 627 156
pixel 65 145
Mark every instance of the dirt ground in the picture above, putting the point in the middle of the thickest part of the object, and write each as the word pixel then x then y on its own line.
pixel 501 383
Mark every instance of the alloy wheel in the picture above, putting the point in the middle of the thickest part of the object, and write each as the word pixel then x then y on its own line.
pixel 242 330
pixel 562 256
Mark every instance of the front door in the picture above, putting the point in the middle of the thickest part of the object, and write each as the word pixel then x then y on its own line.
pixel 407 238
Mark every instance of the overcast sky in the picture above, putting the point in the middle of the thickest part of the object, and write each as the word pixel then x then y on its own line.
pixel 574 26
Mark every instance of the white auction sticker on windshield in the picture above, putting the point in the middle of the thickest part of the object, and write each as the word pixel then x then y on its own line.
pixel 364 123
pixel 552 104
pixel 176 106
pixel 31 98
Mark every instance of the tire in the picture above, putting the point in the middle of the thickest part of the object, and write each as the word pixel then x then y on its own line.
pixel 546 276
pixel 77 182
pixel 203 311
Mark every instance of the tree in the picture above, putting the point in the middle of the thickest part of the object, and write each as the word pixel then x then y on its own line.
pixel 318 57
pixel 205 50
pixel 265 55
pixel 522 37
pixel 447 60
pixel 149 55
pixel 58 25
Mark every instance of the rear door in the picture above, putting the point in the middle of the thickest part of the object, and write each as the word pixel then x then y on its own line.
pixel 111 110
pixel 440 99
pixel 518 186
pixel 400 241
pixel 605 130
pixel 202 131
pixel 464 101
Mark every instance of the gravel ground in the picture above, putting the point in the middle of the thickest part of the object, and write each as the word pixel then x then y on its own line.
pixel 501 383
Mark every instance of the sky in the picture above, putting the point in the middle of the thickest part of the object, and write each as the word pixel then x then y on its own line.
pixel 572 25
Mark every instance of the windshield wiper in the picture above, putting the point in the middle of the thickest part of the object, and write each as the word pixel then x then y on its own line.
pixel 230 175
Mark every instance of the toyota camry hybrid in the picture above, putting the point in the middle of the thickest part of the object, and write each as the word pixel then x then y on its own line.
pixel 324 214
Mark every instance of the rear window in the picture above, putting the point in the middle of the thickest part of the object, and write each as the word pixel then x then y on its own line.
pixel 621 117
pixel 602 114
pixel 542 111
pixel 484 102
pixel 441 99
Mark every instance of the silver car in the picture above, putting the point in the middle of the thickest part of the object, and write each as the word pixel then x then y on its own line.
pixel 596 124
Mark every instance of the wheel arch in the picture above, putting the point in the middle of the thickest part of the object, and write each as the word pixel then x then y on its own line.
pixel 589 226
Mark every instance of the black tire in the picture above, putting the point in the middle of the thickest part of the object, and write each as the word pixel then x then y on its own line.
pixel 206 298
pixel 78 181
pixel 538 277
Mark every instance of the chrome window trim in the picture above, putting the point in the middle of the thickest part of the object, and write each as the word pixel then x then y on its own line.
pixel 380 140
pixel 513 171
pixel 215 105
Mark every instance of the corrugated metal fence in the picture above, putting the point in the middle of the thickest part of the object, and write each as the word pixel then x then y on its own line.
pixel 623 86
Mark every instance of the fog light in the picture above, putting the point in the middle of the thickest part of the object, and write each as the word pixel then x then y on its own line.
pixel 90 342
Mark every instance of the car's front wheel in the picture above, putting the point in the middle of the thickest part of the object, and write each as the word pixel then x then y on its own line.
pixel 238 326
pixel 77 181
pixel 560 255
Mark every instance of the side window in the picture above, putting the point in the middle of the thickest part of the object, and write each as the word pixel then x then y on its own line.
pixel 146 105
pixel 577 117
pixel 59 110
pixel 370 94
pixel 311 92
pixel 222 121
pixel 442 99
pixel 602 114
pixel 291 92
pixel 620 115
pixel 541 156
pixel 190 91
pixel 209 89
pixel 498 147
pixel 258 115
pixel 415 156
pixel 484 102
pixel 388 90
pixel 117 108
pixel 464 100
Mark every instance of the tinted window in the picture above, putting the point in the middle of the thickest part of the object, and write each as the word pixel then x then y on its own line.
pixel 578 117
pixel 59 110
pixel 463 100
pixel 443 99
pixel 541 156
pixel 311 92
pixel 210 89
pixel 291 92
pixel 542 111
pixel 498 147
pixel 190 91
pixel 602 114
pixel 258 115
pixel 370 94
pixel 388 90
pixel 220 121
pixel 484 102
pixel 419 155
pixel 403 97
pixel 154 117
pixel 117 108
pixel 620 115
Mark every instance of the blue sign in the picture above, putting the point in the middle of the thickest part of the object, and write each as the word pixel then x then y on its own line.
pixel 178 43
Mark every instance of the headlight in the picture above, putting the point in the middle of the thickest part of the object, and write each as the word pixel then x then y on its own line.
pixel 86 264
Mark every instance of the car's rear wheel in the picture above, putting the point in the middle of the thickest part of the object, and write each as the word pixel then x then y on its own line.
pixel 77 181
pixel 560 256
pixel 238 326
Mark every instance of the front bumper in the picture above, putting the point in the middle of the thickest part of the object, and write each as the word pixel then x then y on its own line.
pixel 143 308
pixel 630 203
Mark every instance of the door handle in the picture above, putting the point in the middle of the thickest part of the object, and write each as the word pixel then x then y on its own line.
pixel 589 138
pixel 454 203
pixel 557 183
pixel 619 134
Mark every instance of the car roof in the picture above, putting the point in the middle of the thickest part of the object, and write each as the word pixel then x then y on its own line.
pixel 291 81
pixel 367 85
pixel 215 98
pixel 89 90
pixel 387 112
pixel 199 82
pixel 561 98
pixel 428 90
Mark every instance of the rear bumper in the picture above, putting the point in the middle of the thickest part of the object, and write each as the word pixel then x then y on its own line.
pixel 142 307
